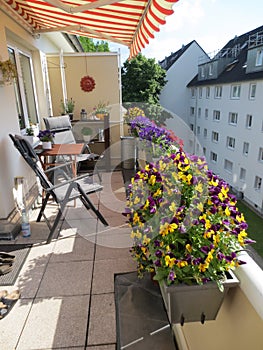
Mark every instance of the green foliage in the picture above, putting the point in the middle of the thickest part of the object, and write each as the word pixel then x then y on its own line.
pixel 90 46
pixel 142 81
pixel 255 224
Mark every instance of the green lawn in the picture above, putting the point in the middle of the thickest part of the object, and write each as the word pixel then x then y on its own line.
pixel 255 226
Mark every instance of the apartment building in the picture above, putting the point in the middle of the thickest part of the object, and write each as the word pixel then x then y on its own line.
pixel 225 113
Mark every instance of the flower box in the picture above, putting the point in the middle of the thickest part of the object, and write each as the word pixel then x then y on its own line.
pixel 195 303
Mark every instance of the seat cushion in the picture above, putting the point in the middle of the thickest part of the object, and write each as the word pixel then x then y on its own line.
pixel 58 123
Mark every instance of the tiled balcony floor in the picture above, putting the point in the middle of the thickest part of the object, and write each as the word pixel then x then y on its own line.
pixel 67 286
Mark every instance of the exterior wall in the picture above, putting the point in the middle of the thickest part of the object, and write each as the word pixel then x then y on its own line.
pixel 253 136
pixel 104 68
pixel 11 164
pixel 174 96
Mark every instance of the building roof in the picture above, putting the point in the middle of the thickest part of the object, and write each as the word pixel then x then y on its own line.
pixel 167 62
pixel 234 71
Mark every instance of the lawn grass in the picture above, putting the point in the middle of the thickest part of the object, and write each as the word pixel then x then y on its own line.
pixel 255 226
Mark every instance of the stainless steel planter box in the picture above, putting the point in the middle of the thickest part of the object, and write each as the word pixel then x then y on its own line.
pixel 195 303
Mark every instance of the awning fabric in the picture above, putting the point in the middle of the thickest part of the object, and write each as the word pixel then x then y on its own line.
pixel 127 22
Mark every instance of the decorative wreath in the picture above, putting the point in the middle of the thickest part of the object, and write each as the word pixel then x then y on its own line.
pixel 87 83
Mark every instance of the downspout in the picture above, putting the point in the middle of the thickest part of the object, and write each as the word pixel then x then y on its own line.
pixel 63 77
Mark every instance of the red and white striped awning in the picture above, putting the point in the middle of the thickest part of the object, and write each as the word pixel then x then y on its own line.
pixel 127 22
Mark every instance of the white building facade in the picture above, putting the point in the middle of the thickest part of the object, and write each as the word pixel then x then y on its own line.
pixel 225 113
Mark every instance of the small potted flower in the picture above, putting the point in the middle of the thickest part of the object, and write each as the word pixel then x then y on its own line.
pixel 186 229
pixel 86 132
pixel 101 109
pixel 68 107
pixel 30 134
pixel 46 137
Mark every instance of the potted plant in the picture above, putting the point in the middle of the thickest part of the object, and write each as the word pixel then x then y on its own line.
pixel 7 72
pixel 101 109
pixel 68 107
pixel 186 228
pixel 30 134
pixel 46 137
pixel 86 132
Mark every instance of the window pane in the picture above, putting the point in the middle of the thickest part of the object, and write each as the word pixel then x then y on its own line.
pixel 19 106
pixel 28 88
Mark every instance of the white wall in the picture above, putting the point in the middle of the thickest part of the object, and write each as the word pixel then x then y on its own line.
pixel 11 164
pixel 175 96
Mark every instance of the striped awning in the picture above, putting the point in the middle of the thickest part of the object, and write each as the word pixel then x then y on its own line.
pixel 126 22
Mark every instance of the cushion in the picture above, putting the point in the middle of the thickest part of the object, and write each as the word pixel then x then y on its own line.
pixel 58 123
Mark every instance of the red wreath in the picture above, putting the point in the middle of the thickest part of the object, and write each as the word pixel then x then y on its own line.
pixel 87 83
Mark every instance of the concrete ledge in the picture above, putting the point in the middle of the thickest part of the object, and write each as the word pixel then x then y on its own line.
pixel 251 282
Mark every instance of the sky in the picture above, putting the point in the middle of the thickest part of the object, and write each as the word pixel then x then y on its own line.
pixel 212 23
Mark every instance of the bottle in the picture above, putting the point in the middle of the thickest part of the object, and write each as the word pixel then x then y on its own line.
pixel 25 226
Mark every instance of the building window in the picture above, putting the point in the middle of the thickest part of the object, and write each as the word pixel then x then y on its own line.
pixel 208 92
pixel 24 88
pixel 218 91
pixel 245 148
pixel 200 92
pixel 213 157
pixel 249 121
pixel 205 133
pixel 204 150
pixel 216 115
pixel 233 118
pixel 215 136
pixel 193 92
pixel 192 127
pixel 230 142
pixel 206 115
pixel 242 174
pixel 252 91
pixel 199 112
pixel 235 91
pixel 210 69
pixel 228 166
pixel 258 183
pixel 192 111
pixel 202 69
pixel 259 58
pixel 260 156
pixel 198 130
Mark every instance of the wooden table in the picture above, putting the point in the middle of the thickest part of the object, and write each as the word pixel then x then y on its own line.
pixel 66 149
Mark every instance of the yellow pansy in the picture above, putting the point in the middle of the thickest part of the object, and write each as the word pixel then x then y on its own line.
pixel 227 211
pixel 182 263
pixel 169 261
pixel 188 247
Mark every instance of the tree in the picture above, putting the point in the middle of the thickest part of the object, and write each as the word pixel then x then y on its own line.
pixel 90 46
pixel 142 81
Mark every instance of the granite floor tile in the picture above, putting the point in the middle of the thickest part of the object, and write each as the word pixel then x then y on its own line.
pixel 115 237
pixel 56 323
pixel 66 278
pixel 72 249
pixel 104 270
pixel 102 325
pixel 103 253
pixel 12 324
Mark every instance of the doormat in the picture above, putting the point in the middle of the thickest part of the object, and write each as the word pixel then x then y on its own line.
pixel 141 318
pixel 20 251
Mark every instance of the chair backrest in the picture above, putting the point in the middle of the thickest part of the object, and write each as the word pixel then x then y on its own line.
pixel 62 128
pixel 32 159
